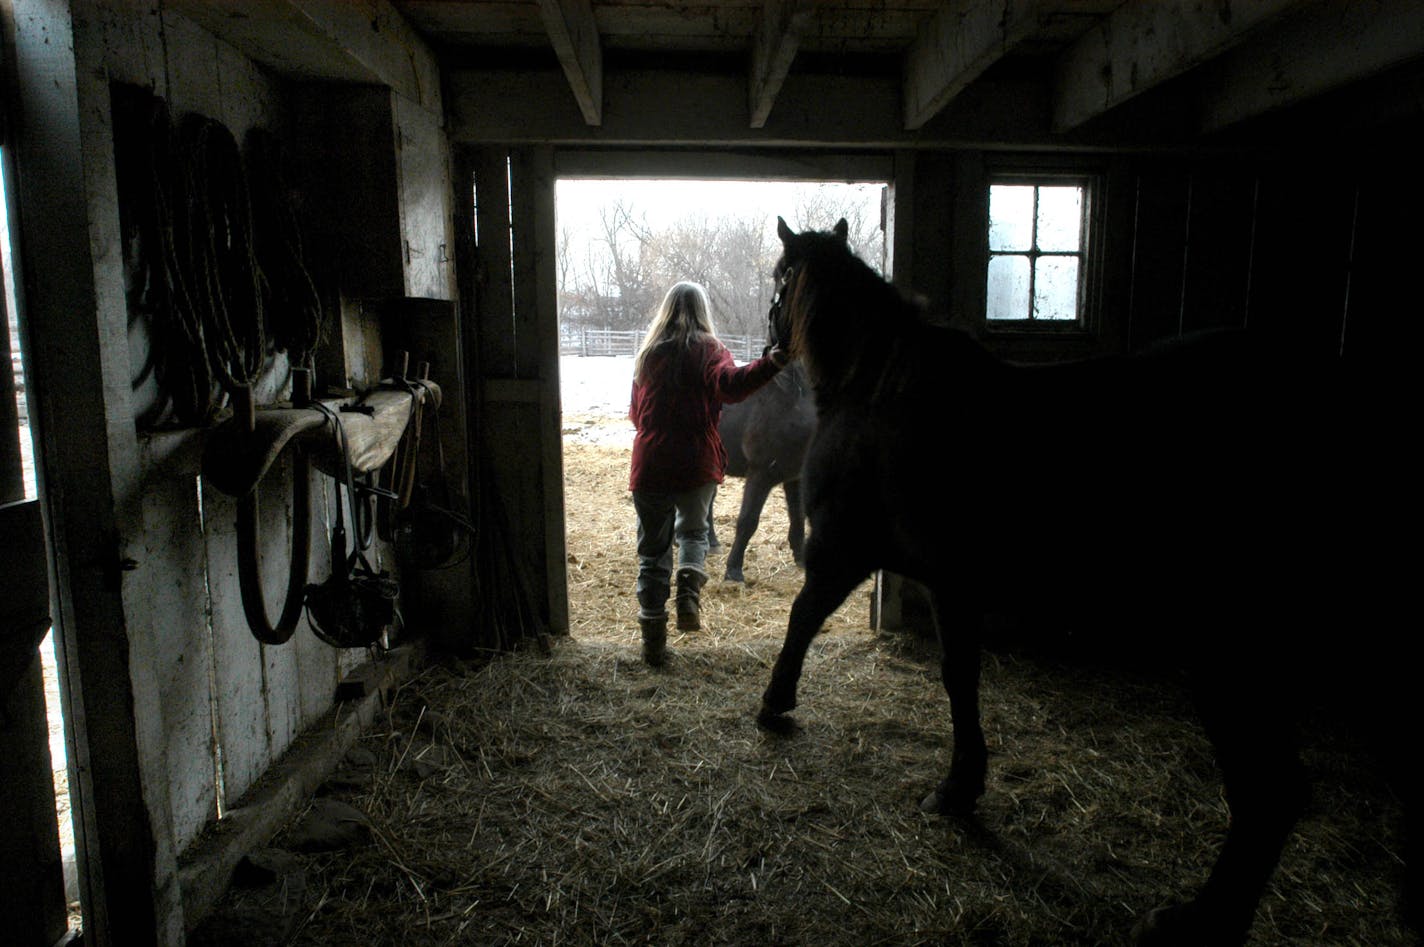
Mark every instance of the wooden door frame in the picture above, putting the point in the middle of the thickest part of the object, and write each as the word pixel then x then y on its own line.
pixel 511 343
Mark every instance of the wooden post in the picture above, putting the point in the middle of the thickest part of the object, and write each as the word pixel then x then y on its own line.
pixel 71 287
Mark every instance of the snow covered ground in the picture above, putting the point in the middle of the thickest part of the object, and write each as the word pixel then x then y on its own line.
pixel 594 392
pixel 597 384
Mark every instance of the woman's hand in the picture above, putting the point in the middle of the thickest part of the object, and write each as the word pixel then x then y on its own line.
pixel 778 356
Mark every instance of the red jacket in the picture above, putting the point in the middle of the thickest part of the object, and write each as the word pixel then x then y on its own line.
pixel 676 411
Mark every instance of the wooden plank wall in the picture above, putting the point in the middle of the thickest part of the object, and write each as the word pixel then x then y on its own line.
pixel 225 696
pixel 177 612
pixel 1302 246
pixel 1272 245
pixel 166 677
pixel 263 696
pixel 1286 244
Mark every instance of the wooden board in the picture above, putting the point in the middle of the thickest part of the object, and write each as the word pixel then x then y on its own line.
pixel 1218 255
pixel 240 689
pixel 175 612
pixel 1159 233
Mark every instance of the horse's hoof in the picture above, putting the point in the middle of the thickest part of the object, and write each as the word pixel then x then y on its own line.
pixel 1185 925
pixel 950 799
pixel 734 575
pixel 1160 927
pixel 780 724
pixel 933 804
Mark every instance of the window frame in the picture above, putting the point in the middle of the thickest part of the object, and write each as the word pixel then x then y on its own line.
pixel 1089 253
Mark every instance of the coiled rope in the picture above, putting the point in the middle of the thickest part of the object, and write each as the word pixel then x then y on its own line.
pixel 220 265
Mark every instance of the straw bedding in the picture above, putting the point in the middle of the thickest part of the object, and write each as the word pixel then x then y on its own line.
pixel 572 795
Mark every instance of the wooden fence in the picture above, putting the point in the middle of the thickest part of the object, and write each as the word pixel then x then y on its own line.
pixel 614 342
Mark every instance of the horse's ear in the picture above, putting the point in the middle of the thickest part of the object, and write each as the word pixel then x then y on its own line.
pixel 783 231
pixel 842 228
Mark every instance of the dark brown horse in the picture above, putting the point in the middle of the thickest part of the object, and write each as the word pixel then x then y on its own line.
pixel 1222 498
pixel 766 437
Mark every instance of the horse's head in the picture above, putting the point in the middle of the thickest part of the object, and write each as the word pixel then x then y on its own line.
pixel 790 277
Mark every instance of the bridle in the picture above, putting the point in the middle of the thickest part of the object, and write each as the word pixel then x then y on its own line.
pixel 778 301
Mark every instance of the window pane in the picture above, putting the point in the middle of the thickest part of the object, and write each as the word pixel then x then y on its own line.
pixel 1010 217
pixel 1060 218
pixel 1008 287
pixel 1055 288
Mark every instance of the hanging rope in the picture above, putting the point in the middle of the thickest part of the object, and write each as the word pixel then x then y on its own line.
pixel 215 264
pixel 218 266
pixel 146 170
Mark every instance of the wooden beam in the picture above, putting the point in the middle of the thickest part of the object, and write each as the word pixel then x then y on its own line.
pixel 774 47
pixel 574 34
pixel 1335 44
pixel 959 42
pixel 817 165
pixel 327 39
pixel 1145 43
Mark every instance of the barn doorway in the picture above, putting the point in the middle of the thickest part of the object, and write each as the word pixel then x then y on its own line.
pixel 621 243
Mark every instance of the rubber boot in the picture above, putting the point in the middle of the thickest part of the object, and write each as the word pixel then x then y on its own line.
pixel 689 599
pixel 654 639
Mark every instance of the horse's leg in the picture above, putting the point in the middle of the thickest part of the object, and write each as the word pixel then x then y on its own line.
pixel 958 631
pixel 796 534
pixel 830 577
pixel 1265 790
pixel 754 494
pixel 712 542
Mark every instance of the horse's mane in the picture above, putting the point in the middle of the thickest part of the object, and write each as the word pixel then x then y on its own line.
pixel 859 336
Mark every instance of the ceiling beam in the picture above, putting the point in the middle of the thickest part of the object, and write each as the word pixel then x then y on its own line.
pixel 959 42
pixel 774 47
pixel 1331 46
pixel 1143 44
pixel 574 34
pixel 326 39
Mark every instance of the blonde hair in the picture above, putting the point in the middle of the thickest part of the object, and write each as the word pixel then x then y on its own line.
pixel 684 317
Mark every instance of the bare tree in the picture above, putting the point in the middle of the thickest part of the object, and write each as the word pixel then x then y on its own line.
pixel 628 264
pixel 819 209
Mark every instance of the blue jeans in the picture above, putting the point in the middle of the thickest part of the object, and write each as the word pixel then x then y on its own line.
pixel 661 518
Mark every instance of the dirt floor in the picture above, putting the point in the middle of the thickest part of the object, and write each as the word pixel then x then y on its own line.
pixel 576 796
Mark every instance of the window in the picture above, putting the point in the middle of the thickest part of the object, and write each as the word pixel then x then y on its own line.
pixel 1037 240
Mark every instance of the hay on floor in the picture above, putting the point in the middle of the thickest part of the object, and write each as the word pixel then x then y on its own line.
pixel 580 797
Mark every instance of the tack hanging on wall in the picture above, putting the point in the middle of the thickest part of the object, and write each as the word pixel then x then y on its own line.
pixel 217 280
pixel 342 438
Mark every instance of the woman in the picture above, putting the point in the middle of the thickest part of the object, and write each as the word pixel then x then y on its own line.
pixel 682 375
